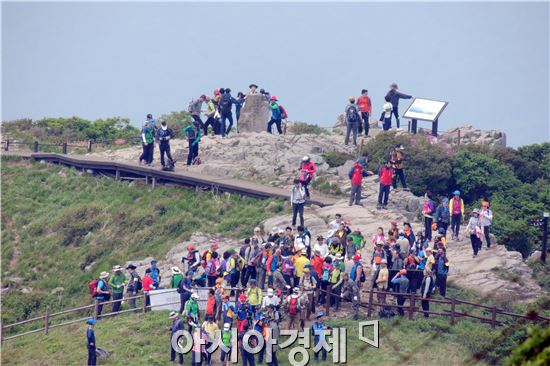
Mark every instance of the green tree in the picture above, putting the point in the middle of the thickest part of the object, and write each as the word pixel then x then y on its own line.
pixel 534 351
pixel 177 121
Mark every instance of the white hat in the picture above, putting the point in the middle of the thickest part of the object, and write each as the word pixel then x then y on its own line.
pixel 117 268
pixel 296 290
pixel 305 158
pixel 173 315
pixel 269 292
pixel 103 275
pixel 176 269
pixel 195 296
pixel 226 326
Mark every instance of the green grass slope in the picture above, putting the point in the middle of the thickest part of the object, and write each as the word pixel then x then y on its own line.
pixel 57 221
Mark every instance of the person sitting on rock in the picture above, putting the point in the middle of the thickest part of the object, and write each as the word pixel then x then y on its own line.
pixel 307 170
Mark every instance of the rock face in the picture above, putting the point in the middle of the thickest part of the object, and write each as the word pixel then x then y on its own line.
pixel 470 135
pixel 340 124
pixel 254 114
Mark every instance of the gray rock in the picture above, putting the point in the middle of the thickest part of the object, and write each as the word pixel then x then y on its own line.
pixel 26 290
pixel 254 114
pixel 58 290
pixel 344 169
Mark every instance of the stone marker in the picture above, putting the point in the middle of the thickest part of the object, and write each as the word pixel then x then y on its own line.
pixel 254 115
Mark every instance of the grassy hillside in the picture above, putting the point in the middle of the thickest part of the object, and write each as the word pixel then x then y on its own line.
pixel 143 340
pixel 57 221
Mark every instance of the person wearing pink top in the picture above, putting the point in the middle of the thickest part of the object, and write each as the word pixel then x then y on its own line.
pixel 378 237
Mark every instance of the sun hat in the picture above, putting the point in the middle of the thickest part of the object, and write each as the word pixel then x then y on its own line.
pixel 357 257
pixel 242 297
pixel 270 291
pixel 173 315
pixel 103 275
pixel 190 247
pixel 226 327
pixel 131 266
pixel 445 199
pixel 253 86
pixel 117 268
pixel 176 269
pixel 383 261
pixel 273 98
pixel 457 193
pixel 195 296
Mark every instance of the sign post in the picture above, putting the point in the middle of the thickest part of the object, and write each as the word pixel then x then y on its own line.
pixel 425 110
pixel 542 223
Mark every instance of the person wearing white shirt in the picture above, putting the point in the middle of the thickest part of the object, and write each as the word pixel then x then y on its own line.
pixel 321 246
pixel 486 219
pixel 302 240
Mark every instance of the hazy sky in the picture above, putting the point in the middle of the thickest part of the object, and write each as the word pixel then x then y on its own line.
pixel 94 60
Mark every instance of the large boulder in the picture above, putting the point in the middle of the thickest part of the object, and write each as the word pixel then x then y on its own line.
pixel 255 114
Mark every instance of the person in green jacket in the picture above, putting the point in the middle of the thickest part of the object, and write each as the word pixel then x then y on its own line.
pixel 358 239
pixel 116 284
pixel 193 134
pixel 192 310
pixel 176 277
pixel 336 280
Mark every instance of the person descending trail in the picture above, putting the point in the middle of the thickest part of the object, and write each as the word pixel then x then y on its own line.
pixel 308 170
pixel 147 143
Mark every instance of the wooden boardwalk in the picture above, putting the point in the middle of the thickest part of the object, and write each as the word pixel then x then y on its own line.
pixel 132 171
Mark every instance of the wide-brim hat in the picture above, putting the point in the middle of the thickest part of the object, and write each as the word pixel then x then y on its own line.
pixel 226 327
pixel 173 315
pixel 253 86
pixel 117 268
pixel 320 314
pixel 103 275
pixel 131 266
pixel 176 270
pixel 195 296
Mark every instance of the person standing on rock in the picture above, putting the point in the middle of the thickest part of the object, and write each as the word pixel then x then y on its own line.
pixel 353 120
pixel 443 216
pixel 253 89
pixel 394 97
pixel 210 115
pixel 193 134
pixel 226 103
pixel 102 291
pixel 386 176
pixel 365 106
pixel 475 231
pixel 194 108
pixel 164 135
pixel 239 106
pixel 308 170
pixel 486 218
pixel 297 200
pixel 427 212
pixel 356 175
pixel 276 116
pixel 147 143
pixel 397 156
pixel 456 206
pixel 385 117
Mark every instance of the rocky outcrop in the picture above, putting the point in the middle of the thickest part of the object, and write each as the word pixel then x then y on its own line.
pixel 471 135
pixel 340 124
pixel 254 114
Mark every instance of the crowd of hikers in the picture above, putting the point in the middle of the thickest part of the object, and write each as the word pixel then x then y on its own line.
pixel 218 121
pixel 279 278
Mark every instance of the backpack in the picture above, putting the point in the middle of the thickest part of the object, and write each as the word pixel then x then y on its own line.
pixel 139 285
pixel 284 115
pixel 180 286
pixel 326 274
pixel 352 115
pixel 225 103
pixel 362 278
pixel 293 308
pixel 386 312
pixel 169 167
pixel 211 268
pixel 427 208
pixel 357 176
pixel 203 258
pixel 196 161
pixel 92 285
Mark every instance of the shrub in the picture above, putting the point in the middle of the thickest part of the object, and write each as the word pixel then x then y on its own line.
pixel 335 159
pixel 302 128
pixel 177 121
pixel 534 351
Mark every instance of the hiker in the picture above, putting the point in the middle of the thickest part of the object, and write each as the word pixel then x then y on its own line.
pixel 396 157
pixel 185 289
pixel 300 263
pixel 386 176
pixel 357 273
pixel 308 170
pixel 258 235
pixel 253 89
pixel 401 283
pixel 226 103
pixel 176 277
pixel 243 310
pixel 393 231
pixel 293 304
pixel 336 280
pixel 297 200
pixel 90 335
pixel 134 285
pixel 148 285
pixel 193 135
pixel 426 290
pixel 318 260
pixel 377 256
pixel 443 216
pixel 427 210
pixel 456 206
pixel 302 241
pixel 318 330
pixel 211 328
pixel 308 284
pixel 385 117
pixel 276 115
pixel 248 357
pixel 382 281
pixel 147 143
pixel 408 233
pixel 378 237
pixel 210 310
pixel 325 279
pixel 210 116
pixel 365 106
pixel 102 292
pixel 153 122
pixel 353 120
pixel 441 271
pixel 397 262
pixel 116 284
pixel 356 174
pixel 486 218
pixel 475 231
pixel 155 274
pixel 270 299
pixel 176 326
pixel 394 97
pixel 192 310
pixel 164 135
pixel 239 106
pixel 351 249
pixel 211 269
pixel 350 292
pixel 335 224
pixel 226 340
pixel 194 108
pixel 254 296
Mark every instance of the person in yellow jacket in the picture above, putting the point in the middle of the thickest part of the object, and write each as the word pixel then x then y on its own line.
pixel 300 262
pixel 254 295
pixel 336 280
pixel 456 207
pixel 397 156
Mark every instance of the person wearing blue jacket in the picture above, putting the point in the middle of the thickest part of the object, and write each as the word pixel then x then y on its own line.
pixel 276 116
pixel 443 216
pixel 176 326
pixel 239 105
pixel 319 330
pixel 394 97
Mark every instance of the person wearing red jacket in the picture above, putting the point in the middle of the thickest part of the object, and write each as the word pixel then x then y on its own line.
pixel 386 177
pixel 356 175
pixel 365 106
pixel 308 169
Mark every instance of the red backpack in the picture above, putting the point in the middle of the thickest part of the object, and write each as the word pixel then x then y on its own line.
pixel 284 115
pixel 357 176
pixel 293 310
pixel 92 285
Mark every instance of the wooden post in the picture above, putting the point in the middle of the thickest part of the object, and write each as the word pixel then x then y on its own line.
pixel 90 146
pixel 494 317
pixel 327 303
pixel 453 305
pixel 236 297
pixel 117 174
pixel 144 302
pixel 371 296
pixel 153 182
pixel 35 146
pixel 65 148
pixel 459 137
pixel 411 305
pixel 7 145
pixel 46 322
pixel 146 179
pixel 96 308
